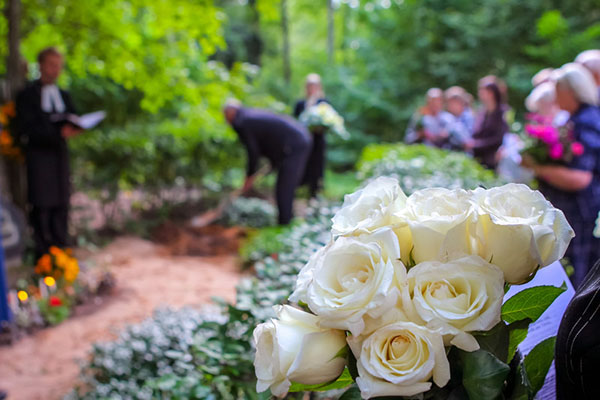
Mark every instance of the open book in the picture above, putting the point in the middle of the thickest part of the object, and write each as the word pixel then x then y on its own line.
pixel 85 121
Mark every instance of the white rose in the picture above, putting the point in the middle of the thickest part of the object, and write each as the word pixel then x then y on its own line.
pixel 293 348
pixel 441 223
pixel 519 230
pixel 369 208
pixel 460 296
pixel 400 359
pixel 352 278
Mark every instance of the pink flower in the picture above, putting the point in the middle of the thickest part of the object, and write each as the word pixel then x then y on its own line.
pixel 546 133
pixel 556 151
pixel 577 148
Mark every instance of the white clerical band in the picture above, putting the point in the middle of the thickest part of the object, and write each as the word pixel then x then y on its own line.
pixel 52 100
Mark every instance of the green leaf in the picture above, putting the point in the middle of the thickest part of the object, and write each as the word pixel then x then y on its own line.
pixel 344 380
pixel 495 340
pixel 530 303
pixel 483 374
pixel 517 333
pixel 351 394
pixel 537 363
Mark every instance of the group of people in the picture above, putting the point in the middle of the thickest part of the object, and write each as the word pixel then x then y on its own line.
pixel 448 121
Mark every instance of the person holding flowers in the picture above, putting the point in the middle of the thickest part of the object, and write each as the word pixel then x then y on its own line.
pixel 315 166
pixel 574 187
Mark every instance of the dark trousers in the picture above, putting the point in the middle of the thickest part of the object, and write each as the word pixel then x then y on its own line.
pixel 315 166
pixel 584 249
pixel 50 227
pixel 291 170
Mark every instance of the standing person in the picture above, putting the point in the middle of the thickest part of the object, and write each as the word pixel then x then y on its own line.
pixel 461 127
pixel 315 167
pixel 282 140
pixel 490 125
pixel 4 309
pixel 577 358
pixel 46 152
pixel 575 187
pixel 591 60
pixel 430 124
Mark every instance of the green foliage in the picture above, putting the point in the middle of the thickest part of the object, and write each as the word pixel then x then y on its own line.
pixel 537 363
pixel 150 155
pixel 54 314
pixel 418 167
pixel 250 212
pixel 483 374
pixel 530 303
pixel 263 243
pixel 343 381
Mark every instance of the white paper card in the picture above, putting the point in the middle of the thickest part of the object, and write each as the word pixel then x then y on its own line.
pixel 547 325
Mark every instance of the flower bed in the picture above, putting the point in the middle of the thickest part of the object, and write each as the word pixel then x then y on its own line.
pixel 221 353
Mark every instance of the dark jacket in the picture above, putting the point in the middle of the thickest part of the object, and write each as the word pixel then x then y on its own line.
pixel 46 151
pixel 301 106
pixel 578 343
pixel 489 133
pixel 266 134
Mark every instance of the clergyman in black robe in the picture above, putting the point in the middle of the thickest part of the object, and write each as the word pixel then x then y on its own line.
pixel 46 152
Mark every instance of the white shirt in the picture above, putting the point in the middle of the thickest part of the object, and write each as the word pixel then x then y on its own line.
pixel 52 100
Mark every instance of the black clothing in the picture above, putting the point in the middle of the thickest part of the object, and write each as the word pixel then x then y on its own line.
pixel 48 172
pixel 50 227
pixel 46 151
pixel 489 133
pixel 577 352
pixel 282 140
pixel 315 167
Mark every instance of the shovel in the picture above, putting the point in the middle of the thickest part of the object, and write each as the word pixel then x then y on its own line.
pixel 210 216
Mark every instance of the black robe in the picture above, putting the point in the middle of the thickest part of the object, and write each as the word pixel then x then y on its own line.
pixel 46 151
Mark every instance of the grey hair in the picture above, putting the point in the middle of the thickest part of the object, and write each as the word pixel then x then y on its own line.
pixel 232 103
pixel 313 79
pixel 590 59
pixel 542 76
pixel 543 93
pixel 578 80
pixel 435 93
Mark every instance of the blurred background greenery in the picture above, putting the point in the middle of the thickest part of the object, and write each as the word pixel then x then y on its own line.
pixel 163 68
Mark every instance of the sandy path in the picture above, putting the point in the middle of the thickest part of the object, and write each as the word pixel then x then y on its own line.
pixel 44 365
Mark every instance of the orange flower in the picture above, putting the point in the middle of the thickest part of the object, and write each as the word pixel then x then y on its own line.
pixel 5 139
pixel 44 265
pixel 55 251
pixel 9 109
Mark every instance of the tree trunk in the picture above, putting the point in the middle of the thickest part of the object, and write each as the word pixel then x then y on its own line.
pixel 254 42
pixel 330 33
pixel 14 169
pixel 287 71
pixel 14 69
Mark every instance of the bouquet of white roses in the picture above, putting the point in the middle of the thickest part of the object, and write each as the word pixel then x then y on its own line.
pixel 407 299
pixel 323 115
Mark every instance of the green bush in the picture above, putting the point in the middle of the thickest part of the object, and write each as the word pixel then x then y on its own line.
pixel 153 156
pixel 250 212
pixel 418 167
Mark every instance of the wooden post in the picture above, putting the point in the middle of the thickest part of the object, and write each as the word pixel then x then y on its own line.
pixel 287 71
